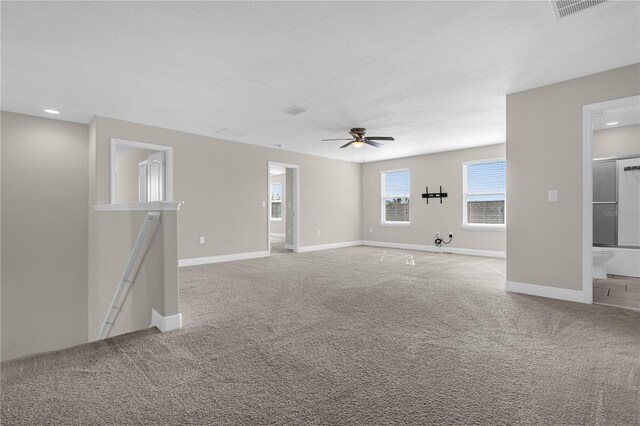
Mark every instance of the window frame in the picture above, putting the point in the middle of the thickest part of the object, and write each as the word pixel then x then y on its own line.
pixel 271 202
pixel 482 226
pixel 383 216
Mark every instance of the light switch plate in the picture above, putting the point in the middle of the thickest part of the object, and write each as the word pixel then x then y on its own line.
pixel 553 195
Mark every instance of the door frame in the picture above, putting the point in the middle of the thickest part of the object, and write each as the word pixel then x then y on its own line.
pixel 168 165
pixel 295 205
pixel 587 186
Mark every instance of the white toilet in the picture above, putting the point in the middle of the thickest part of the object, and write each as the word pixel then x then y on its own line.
pixel 600 257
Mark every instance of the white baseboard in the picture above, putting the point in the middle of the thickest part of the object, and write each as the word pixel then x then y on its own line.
pixel 545 291
pixel 172 322
pixel 304 249
pixel 434 249
pixel 274 234
pixel 476 252
pixel 222 258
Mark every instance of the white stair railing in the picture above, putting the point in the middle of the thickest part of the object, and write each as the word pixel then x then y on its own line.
pixel 130 271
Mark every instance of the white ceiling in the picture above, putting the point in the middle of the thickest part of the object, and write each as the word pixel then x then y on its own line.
pixel 432 74
pixel 626 116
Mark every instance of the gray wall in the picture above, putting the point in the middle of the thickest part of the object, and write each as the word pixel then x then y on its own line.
pixel 616 141
pixel 426 219
pixel 156 283
pixel 544 152
pixel 279 226
pixel 202 170
pixel 44 234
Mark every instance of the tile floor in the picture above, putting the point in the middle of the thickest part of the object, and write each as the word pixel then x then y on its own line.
pixel 617 290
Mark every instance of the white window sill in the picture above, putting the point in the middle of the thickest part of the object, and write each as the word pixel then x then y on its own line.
pixel 485 227
pixel 396 224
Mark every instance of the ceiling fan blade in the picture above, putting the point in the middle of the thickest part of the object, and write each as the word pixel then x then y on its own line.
pixel 343 139
pixel 372 143
pixel 346 144
pixel 381 138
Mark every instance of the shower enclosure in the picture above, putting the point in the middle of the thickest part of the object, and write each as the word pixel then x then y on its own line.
pixel 616 202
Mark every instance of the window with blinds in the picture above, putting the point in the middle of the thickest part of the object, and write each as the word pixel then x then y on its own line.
pixel 396 188
pixel 276 200
pixel 485 189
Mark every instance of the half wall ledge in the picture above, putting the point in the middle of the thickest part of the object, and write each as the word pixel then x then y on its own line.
pixel 152 206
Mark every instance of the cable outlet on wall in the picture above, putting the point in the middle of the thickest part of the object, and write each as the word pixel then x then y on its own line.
pixel 450 234
pixel 201 240
pixel 553 195
pixel 438 234
pixel 318 232
pixel 370 229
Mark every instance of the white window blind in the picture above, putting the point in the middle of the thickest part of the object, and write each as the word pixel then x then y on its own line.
pixel 276 200
pixel 396 194
pixel 485 188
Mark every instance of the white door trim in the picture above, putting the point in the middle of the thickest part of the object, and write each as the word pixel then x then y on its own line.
pixel 587 186
pixel 295 204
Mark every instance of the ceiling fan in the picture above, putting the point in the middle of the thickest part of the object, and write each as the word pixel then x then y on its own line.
pixel 359 139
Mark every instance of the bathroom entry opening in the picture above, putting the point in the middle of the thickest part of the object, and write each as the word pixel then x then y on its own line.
pixel 597 116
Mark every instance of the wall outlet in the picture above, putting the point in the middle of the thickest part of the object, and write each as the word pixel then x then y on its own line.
pixel 553 195
pixel 370 229
pixel 438 234
pixel 201 240
pixel 318 232
pixel 450 234
pixel 264 204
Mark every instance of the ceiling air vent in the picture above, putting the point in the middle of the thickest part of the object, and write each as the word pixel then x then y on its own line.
pixel 564 8
pixel 294 110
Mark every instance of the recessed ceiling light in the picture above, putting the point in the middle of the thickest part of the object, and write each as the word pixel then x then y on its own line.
pixel 613 123
pixel 51 111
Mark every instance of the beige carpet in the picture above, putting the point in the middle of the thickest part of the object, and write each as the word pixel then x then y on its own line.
pixel 278 246
pixel 350 336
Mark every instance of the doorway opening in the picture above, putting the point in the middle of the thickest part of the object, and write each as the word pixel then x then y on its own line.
pixel 283 208
pixel 140 172
pixel 611 203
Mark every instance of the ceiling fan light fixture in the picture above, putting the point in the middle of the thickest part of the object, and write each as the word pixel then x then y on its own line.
pixel 359 139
